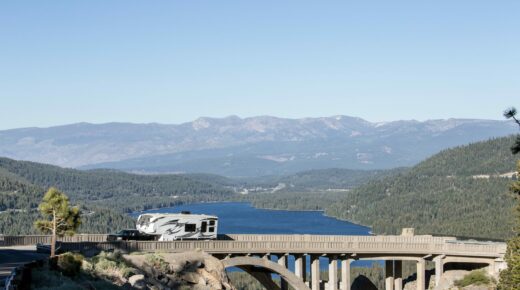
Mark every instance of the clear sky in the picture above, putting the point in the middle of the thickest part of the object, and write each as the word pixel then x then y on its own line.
pixel 173 61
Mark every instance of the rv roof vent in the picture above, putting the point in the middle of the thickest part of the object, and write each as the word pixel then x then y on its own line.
pixel 185 212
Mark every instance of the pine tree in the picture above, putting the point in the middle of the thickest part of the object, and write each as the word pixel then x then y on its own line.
pixel 510 278
pixel 59 218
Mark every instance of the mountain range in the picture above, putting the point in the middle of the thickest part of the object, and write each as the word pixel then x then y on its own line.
pixel 255 146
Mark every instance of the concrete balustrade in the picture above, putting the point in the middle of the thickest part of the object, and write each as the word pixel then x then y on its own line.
pixel 392 249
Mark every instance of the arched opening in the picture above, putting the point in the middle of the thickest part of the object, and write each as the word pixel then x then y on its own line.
pixel 261 269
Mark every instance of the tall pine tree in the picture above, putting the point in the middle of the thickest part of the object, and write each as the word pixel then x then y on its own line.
pixel 510 278
pixel 59 218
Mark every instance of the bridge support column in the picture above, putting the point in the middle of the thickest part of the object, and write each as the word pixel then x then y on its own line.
pixel 283 261
pixel 398 275
pixel 389 274
pixel 345 274
pixel 421 274
pixel 315 272
pixel 439 269
pixel 300 266
pixel 333 273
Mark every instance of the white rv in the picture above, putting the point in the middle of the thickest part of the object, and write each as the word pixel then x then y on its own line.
pixel 178 226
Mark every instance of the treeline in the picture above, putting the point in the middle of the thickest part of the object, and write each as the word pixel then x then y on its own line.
pixel 455 192
pixel 441 195
pixel 17 194
pixel 93 221
pixel 103 184
pixel 432 205
pixel 295 200
pixel 105 196
pixel 492 157
pixel 318 179
pixel 334 178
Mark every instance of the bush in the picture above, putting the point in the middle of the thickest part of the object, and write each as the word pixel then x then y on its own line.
pixel 478 277
pixel 69 263
pixel 127 272
pixel 157 262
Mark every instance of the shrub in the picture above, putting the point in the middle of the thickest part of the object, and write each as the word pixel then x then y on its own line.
pixel 104 265
pixel 158 262
pixel 69 263
pixel 127 272
pixel 478 277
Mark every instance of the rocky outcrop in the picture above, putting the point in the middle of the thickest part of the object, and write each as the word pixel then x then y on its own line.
pixel 190 270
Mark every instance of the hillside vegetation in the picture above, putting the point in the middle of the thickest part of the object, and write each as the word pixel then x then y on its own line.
pixel 456 192
pixel 104 196
pixel 323 179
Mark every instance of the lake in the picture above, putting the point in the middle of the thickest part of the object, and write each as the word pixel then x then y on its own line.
pixel 242 218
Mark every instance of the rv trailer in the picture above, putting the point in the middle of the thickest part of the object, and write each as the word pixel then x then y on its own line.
pixel 178 226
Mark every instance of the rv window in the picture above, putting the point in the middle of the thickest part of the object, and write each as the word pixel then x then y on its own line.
pixel 211 229
pixel 190 228
pixel 211 223
pixel 204 227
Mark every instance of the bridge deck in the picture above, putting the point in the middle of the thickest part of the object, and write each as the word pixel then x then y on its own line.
pixel 296 244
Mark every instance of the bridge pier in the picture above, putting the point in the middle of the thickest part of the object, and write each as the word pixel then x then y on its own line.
pixel 421 274
pixel 389 275
pixel 398 275
pixel 315 272
pixel 333 273
pixel 283 261
pixel 300 266
pixel 345 273
pixel 439 269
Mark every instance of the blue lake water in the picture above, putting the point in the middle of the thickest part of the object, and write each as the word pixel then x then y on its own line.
pixel 242 218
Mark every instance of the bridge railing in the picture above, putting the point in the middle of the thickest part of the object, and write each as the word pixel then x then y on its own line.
pixel 242 247
pixel 278 244
pixel 46 239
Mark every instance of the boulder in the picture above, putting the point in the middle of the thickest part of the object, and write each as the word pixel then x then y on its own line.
pixel 195 269
pixel 137 281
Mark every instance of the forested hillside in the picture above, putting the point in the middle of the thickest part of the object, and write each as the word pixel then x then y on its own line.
pixel 457 192
pixel 334 178
pixel 119 190
pixel 104 196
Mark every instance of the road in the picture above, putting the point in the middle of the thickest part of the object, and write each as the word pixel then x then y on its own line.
pixel 12 257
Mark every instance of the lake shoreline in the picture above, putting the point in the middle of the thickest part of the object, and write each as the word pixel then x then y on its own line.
pixel 244 217
pixel 323 212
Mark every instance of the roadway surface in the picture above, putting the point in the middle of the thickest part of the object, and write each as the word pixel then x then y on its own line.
pixel 12 257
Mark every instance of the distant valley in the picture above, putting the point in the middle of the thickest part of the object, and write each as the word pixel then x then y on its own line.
pixel 245 147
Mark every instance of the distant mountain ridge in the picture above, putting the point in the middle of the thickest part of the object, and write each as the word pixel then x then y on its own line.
pixel 234 146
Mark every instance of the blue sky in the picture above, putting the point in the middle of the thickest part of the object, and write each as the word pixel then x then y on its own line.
pixel 173 61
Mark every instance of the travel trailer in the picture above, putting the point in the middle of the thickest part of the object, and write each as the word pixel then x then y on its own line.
pixel 178 226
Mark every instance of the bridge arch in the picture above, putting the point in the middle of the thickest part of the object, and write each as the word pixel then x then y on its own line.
pixel 246 262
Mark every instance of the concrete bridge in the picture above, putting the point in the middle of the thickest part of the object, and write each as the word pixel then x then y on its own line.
pixel 263 255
